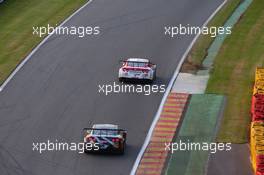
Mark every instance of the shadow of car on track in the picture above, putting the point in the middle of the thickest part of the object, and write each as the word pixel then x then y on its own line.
pixel 128 152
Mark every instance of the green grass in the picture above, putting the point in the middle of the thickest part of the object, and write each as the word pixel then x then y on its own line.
pixel 199 50
pixel 198 126
pixel 17 18
pixel 233 73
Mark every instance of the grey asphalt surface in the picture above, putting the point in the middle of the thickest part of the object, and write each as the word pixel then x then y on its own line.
pixel 235 161
pixel 55 94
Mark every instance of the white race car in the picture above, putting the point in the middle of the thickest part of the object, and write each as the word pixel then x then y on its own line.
pixel 137 69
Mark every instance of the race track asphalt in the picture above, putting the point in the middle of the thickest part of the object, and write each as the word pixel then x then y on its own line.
pixel 55 94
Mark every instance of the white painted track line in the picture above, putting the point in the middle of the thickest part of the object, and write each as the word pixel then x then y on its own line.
pixel 156 118
pixel 37 47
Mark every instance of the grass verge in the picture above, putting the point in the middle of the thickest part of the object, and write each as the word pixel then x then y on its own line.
pixel 199 50
pixel 17 19
pixel 233 73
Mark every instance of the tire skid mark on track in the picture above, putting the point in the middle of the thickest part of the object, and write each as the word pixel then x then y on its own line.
pixel 155 155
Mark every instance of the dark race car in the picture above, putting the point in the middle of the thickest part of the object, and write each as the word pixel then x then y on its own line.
pixel 105 138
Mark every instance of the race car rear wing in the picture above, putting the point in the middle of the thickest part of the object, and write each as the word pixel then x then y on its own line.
pixel 106 132
pixel 125 61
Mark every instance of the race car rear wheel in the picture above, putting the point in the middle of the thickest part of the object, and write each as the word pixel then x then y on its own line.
pixel 122 149
pixel 154 75
pixel 121 79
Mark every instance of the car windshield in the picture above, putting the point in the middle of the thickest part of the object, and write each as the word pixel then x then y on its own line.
pixel 105 132
pixel 137 64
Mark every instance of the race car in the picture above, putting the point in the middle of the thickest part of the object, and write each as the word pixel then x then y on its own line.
pixel 137 69
pixel 105 138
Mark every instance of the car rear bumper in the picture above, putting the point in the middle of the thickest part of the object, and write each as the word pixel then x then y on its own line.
pixel 108 149
pixel 140 76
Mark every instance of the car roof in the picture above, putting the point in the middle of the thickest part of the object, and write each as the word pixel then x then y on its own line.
pixel 105 126
pixel 138 60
